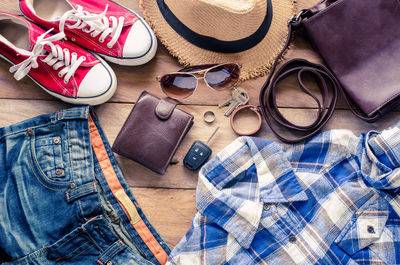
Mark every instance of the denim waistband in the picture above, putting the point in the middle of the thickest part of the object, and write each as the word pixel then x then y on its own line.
pixel 79 112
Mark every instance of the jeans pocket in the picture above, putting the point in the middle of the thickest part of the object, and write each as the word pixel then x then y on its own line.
pixel 48 156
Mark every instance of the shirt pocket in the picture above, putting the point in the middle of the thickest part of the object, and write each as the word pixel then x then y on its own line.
pixel 365 228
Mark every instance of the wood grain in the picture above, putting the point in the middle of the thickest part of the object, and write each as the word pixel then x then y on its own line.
pixel 169 210
pixel 169 200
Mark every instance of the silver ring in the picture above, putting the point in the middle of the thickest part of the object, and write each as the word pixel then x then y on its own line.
pixel 209 116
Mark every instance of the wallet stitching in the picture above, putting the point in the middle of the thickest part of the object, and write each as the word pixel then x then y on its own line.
pixel 183 134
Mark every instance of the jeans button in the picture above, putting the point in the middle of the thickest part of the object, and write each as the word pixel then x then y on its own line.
pixel 72 186
pixel 59 171
pixel 56 140
pixel 29 131
pixel 267 207
pixel 109 263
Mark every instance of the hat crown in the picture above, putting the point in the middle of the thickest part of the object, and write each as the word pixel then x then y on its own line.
pixel 225 20
pixel 235 6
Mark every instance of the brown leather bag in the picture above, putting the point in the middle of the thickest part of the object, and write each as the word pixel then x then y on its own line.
pixel 359 40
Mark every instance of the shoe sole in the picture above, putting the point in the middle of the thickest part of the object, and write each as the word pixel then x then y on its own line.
pixel 81 100
pixel 139 60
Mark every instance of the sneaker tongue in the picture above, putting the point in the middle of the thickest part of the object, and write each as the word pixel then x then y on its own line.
pixel 113 10
pixel 36 31
pixel 34 34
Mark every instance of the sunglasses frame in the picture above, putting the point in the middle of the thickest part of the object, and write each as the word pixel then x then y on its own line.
pixel 202 72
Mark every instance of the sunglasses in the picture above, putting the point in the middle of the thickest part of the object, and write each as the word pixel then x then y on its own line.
pixel 183 83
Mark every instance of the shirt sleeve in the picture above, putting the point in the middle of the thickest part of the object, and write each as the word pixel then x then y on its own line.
pixel 381 158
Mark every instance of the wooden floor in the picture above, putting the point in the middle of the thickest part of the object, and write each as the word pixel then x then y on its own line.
pixel 169 200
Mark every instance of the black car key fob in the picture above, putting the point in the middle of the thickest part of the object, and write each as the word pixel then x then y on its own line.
pixel 198 154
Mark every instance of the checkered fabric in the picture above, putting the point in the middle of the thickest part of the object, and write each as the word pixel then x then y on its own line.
pixel 332 200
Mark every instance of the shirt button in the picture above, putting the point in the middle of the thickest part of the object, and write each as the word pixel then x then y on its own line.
pixel 292 239
pixel 29 131
pixel 59 171
pixel 72 186
pixel 267 207
pixel 371 229
pixel 56 140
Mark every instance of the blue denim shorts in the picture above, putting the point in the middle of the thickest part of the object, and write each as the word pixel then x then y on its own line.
pixel 63 199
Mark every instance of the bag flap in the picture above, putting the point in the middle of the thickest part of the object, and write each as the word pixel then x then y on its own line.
pixel 360 42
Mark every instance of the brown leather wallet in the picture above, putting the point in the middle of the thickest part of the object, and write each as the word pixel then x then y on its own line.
pixel 152 132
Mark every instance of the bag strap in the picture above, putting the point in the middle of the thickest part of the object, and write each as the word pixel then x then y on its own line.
pixel 321 75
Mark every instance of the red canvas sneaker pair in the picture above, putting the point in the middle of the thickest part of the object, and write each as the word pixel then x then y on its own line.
pixel 75 74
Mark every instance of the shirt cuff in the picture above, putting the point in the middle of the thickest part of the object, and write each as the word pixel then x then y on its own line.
pixel 386 146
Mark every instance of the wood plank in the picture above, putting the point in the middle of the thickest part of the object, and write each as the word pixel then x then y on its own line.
pixel 133 80
pixel 112 117
pixel 169 210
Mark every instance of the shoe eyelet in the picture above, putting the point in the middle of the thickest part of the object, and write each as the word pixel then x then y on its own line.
pixel 101 40
pixel 54 68
pixel 65 49
pixel 60 75
pixel 73 39
pixel 109 46
pixel 66 82
pixel 84 58
pixel 74 53
pixel 92 35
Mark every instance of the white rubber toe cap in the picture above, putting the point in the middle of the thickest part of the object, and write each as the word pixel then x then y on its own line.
pixel 98 85
pixel 138 41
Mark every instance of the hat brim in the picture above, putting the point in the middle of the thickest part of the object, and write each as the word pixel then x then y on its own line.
pixel 256 61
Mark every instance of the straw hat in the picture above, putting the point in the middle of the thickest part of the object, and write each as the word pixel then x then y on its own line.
pixel 250 32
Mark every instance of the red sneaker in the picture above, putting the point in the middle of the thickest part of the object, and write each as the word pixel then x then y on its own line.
pixel 61 68
pixel 117 34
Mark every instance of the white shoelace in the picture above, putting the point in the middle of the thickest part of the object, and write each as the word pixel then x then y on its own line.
pixel 98 24
pixel 57 58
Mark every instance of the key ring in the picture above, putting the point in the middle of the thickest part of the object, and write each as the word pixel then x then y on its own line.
pixel 253 108
pixel 209 116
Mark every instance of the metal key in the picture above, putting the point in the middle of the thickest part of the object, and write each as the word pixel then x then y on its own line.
pixel 232 98
pixel 239 97
pixel 226 103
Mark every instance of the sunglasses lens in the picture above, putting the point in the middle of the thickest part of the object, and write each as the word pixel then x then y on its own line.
pixel 178 85
pixel 223 77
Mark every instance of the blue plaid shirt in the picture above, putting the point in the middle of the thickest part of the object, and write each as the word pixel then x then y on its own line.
pixel 333 200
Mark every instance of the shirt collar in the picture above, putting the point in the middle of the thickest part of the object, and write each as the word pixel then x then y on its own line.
pixel 229 195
